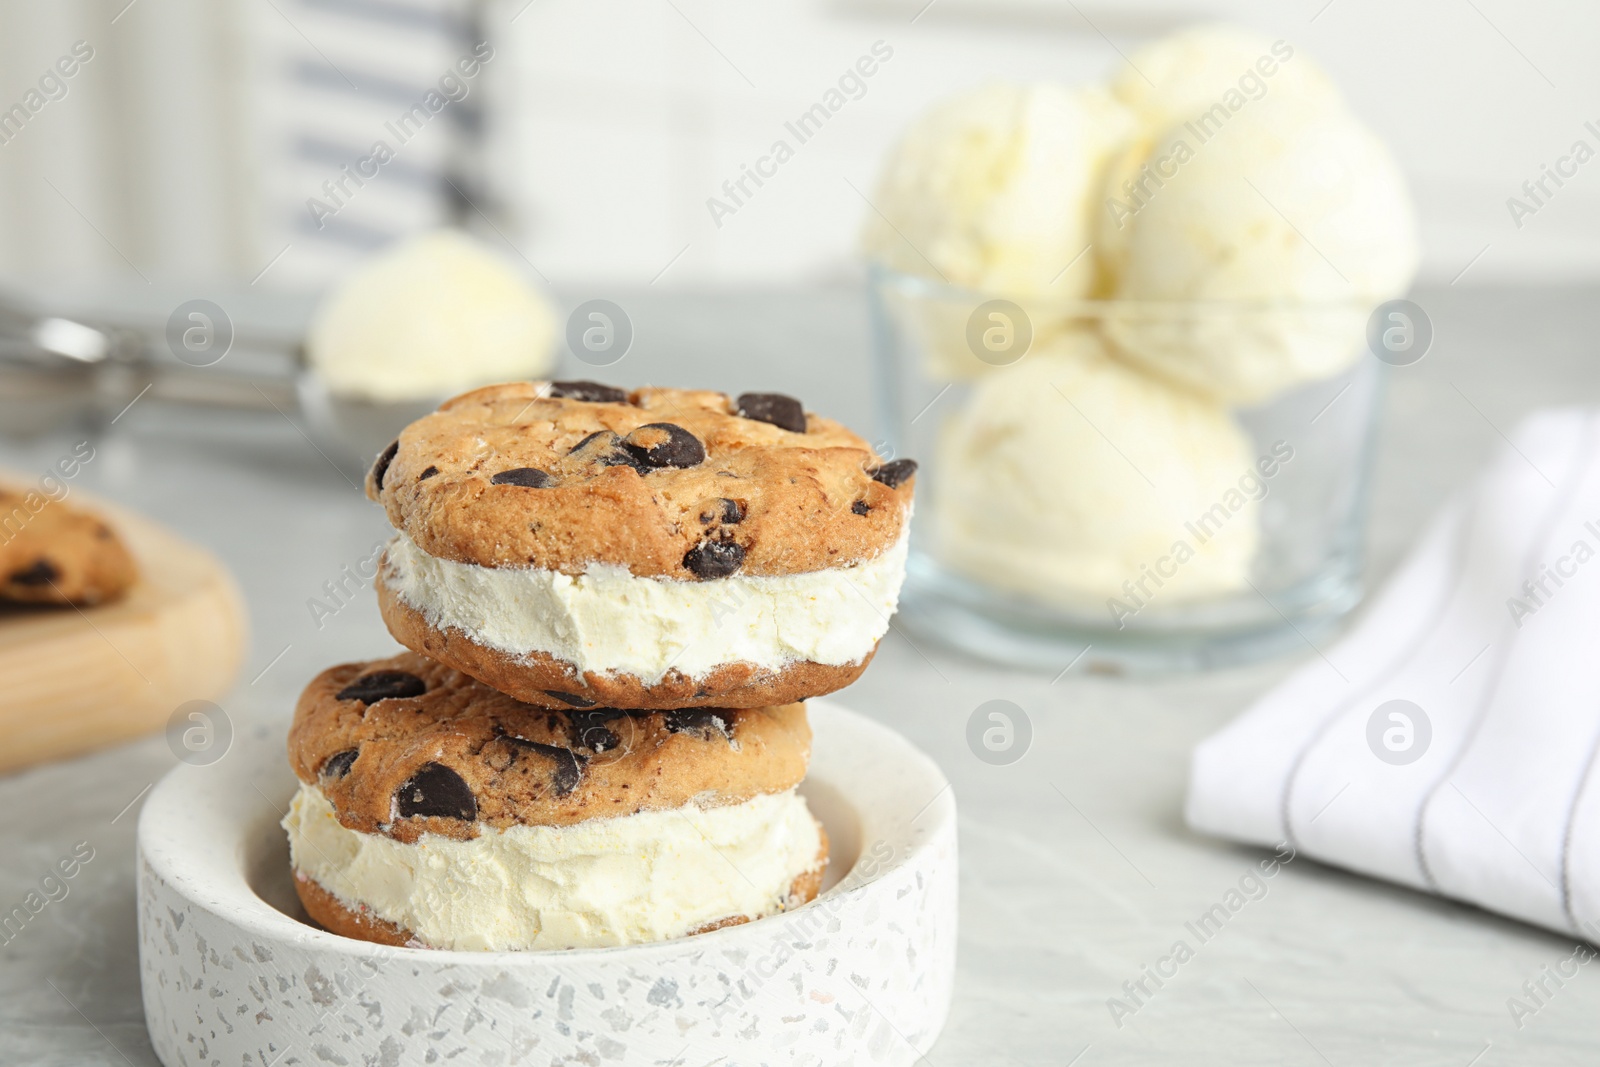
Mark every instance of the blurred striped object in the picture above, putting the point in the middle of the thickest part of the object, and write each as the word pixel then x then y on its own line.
pixel 191 143
pixel 367 114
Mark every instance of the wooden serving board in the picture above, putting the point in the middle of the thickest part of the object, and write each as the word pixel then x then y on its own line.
pixel 79 679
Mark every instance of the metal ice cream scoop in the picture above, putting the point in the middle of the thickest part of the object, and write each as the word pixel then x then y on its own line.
pixel 56 369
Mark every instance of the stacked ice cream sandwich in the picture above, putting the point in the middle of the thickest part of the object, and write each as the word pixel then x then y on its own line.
pixel 615 604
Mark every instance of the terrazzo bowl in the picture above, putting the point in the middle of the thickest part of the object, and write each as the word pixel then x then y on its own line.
pixel 233 973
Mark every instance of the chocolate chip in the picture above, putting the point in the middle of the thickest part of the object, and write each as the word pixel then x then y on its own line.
pixel 589 729
pixel 429 473
pixel 714 559
pixel 784 412
pixel 894 473
pixel 860 507
pixel 527 477
pixel 593 392
pixel 608 450
pixel 569 769
pixel 728 512
pixel 338 764
pixel 698 723
pixel 569 764
pixel 436 790
pixel 383 685
pixel 570 698
pixel 39 572
pixel 665 444
pixel 381 466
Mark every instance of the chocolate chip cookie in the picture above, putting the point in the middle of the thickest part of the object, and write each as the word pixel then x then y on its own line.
pixel 407 746
pixel 679 484
pixel 53 552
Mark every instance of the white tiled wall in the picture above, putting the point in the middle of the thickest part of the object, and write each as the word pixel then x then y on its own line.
pixel 134 169
pixel 611 122
pixel 625 116
pixel 625 122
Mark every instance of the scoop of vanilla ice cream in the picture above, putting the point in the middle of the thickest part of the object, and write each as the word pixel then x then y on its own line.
pixel 1190 72
pixel 434 315
pixel 994 190
pixel 1070 474
pixel 1285 203
pixel 1202 75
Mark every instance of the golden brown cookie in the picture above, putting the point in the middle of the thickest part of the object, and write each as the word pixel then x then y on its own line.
pixel 52 552
pixel 406 745
pixel 669 483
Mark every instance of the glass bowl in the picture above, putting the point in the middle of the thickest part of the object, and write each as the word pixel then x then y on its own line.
pixel 1127 487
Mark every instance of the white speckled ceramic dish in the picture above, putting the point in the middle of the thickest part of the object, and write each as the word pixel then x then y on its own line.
pixel 233 973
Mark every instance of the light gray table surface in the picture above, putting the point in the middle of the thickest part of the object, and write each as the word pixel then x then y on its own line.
pixel 1076 869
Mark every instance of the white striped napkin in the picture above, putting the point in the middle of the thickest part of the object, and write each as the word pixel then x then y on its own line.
pixel 1448 741
pixel 368 114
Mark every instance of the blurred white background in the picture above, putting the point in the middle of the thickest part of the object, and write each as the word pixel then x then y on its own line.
pixel 592 138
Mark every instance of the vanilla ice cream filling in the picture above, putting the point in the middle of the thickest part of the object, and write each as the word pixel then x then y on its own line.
pixel 620 881
pixel 608 620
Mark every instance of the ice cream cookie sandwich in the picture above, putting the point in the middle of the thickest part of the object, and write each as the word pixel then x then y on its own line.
pixel 434 811
pixel 576 545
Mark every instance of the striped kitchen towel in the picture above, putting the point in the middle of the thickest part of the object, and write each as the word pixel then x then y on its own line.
pixel 368 121
pixel 1448 741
